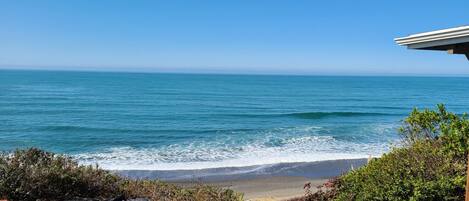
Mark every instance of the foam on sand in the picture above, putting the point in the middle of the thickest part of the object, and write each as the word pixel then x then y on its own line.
pixel 310 170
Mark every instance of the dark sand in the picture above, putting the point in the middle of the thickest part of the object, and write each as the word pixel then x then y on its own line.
pixel 265 182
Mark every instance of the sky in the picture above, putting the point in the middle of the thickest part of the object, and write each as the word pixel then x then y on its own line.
pixel 244 36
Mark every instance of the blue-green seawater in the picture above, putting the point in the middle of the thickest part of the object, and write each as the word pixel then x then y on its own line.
pixel 187 121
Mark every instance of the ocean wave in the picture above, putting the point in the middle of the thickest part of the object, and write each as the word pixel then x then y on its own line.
pixel 319 115
pixel 72 128
pixel 235 147
pixel 38 112
pixel 202 155
pixel 312 115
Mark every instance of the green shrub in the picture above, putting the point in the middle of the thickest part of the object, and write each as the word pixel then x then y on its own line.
pixel 438 125
pixel 431 165
pixel 157 190
pixel 33 174
pixel 419 172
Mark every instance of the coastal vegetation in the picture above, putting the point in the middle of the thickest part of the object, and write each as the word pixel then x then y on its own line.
pixel 430 163
pixel 33 174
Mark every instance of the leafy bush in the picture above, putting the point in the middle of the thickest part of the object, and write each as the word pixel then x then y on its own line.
pixel 34 174
pixel 30 175
pixel 419 172
pixel 157 190
pixel 438 125
pixel 430 165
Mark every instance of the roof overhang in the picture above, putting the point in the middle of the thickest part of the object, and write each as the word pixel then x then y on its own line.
pixel 454 40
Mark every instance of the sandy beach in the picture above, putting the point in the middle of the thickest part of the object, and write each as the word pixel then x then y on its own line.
pixel 267 182
pixel 268 188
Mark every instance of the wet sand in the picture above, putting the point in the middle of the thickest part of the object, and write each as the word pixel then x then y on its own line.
pixel 266 182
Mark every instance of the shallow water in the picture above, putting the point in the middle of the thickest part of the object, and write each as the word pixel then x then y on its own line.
pixel 181 121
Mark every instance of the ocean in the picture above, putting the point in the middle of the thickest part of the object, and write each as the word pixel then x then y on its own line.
pixel 151 121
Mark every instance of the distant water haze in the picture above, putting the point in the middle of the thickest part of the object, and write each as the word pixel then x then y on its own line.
pixel 144 121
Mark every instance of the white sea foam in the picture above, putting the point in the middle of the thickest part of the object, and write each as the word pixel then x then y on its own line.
pixel 219 153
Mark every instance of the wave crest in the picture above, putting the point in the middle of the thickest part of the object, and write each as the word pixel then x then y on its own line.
pixel 312 115
pixel 197 155
pixel 319 115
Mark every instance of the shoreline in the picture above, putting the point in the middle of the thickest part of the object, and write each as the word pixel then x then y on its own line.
pixel 266 182
pixel 142 161
pixel 311 170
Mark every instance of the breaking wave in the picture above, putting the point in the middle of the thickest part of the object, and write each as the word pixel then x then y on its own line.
pixel 314 115
pixel 303 145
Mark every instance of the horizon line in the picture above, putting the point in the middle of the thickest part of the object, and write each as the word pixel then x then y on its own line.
pixel 214 72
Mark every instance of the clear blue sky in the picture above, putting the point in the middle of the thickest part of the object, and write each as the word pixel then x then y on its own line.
pixel 246 36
